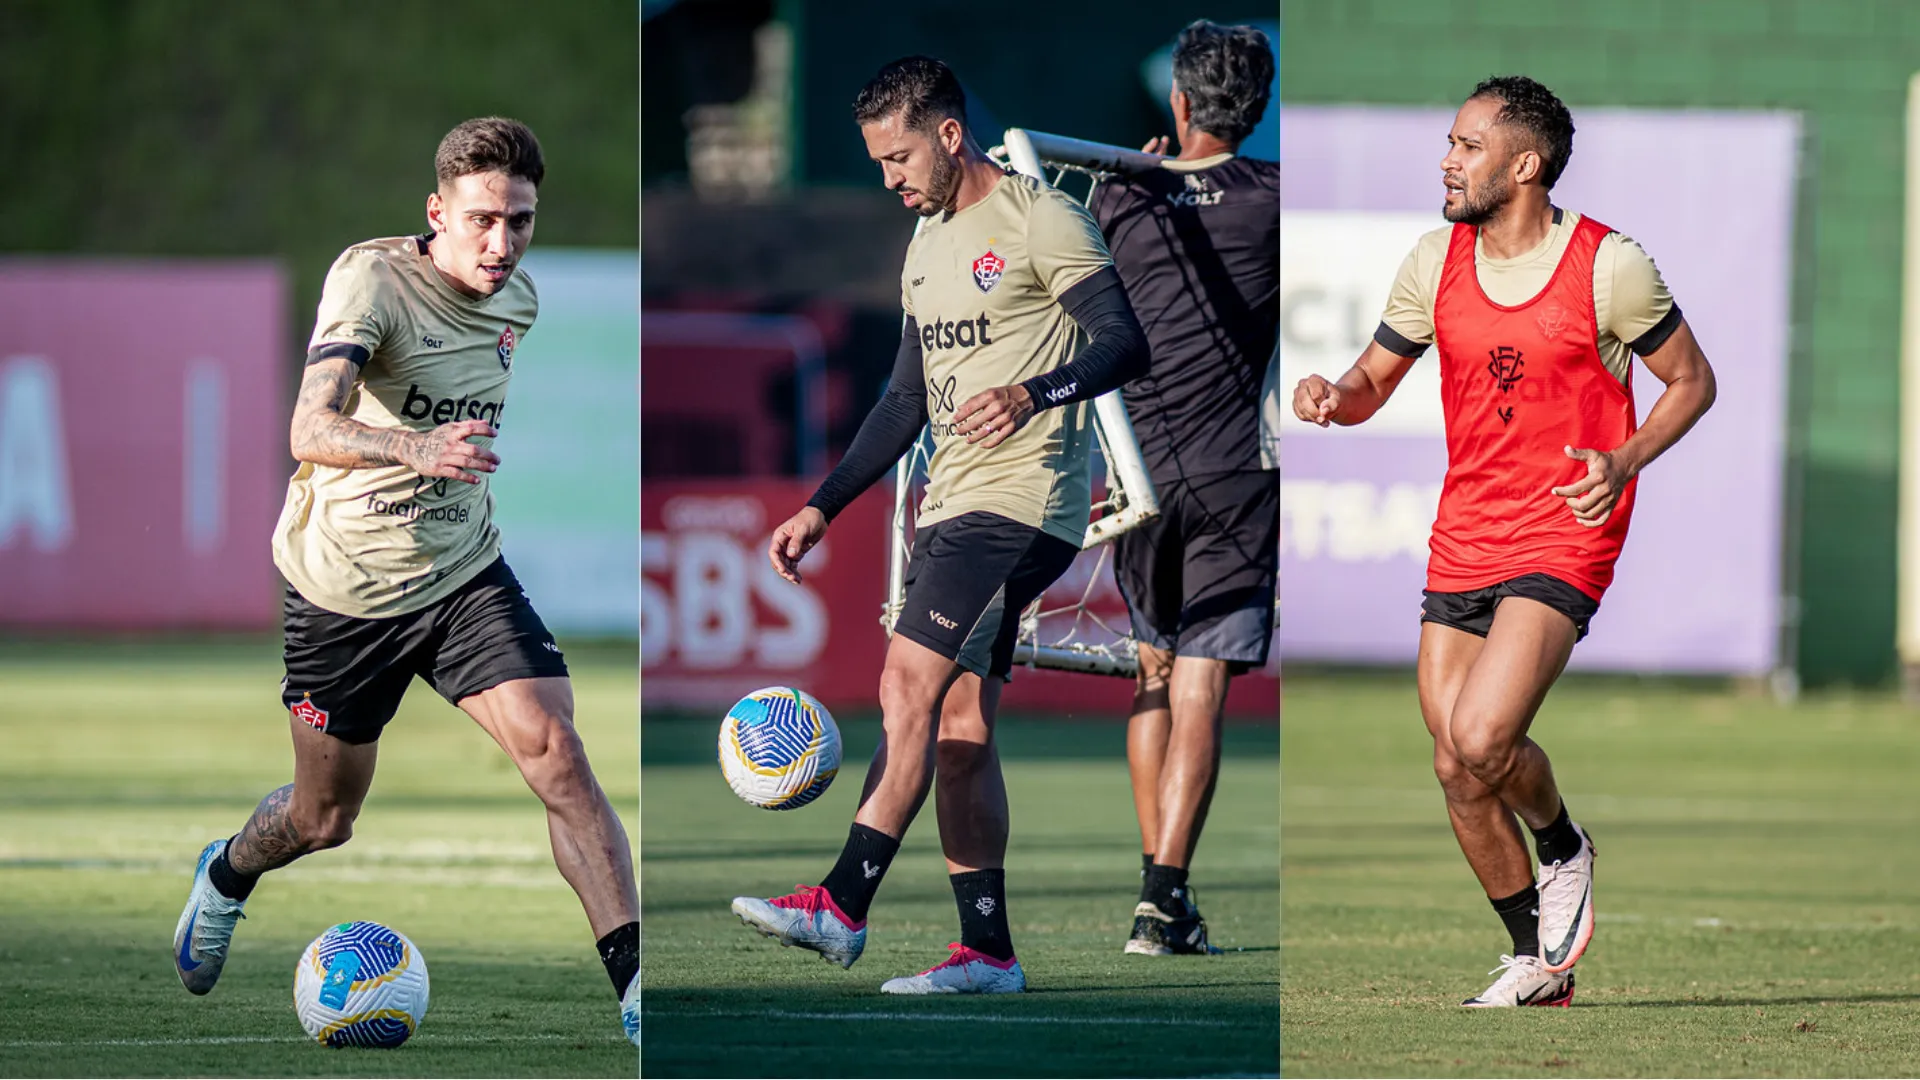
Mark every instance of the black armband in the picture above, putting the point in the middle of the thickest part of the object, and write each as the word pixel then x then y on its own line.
pixel 1649 343
pixel 355 354
pixel 1397 343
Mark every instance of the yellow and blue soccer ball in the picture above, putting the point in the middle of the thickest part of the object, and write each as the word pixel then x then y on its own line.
pixel 361 984
pixel 779 748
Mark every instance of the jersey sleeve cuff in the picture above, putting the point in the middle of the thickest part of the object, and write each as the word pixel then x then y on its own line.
pixel 1397 343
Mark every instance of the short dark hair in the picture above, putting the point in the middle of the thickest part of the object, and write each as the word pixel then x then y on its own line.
pixel 490 144
pixel 1227 74
pixel 922 90
pixel 1527 105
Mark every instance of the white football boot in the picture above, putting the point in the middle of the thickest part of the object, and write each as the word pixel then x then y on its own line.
pixel 206 927
pixel 630 1010
pixel 1566 907
pixel 964 971
pixel 808 918
pixel 1524 981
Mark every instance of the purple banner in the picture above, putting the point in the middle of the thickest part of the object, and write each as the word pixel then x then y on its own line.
pixel 1698 587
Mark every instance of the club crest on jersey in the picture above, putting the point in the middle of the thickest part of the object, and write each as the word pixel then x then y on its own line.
pixel 310 714
pixel 987 270
pixel 505 348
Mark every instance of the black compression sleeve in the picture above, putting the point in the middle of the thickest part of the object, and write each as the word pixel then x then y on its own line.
pixel 887 432
pixel 1115 354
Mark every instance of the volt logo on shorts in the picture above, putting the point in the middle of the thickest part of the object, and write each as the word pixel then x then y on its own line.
pixel 310 714
pixel 419 406
pixel 941 620
pixel 940 334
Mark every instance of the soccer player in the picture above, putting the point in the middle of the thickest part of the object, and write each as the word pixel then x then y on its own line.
pixel 1197 243
pixel 393 562
pixel 1001 284
pixel 1536 310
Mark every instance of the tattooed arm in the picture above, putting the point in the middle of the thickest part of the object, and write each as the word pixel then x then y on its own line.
pixel 322 435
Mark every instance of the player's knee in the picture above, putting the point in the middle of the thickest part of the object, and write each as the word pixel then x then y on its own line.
pixel 325 827
pixel 554 763
pixel 1485 755
pixel 907 698
pixel 1453 774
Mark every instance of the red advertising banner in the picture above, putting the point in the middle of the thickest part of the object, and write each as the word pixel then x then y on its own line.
pixel 716 621
pixel 143 443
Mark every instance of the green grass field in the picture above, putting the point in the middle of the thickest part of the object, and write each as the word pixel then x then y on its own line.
pixel 1755 889
pixel 720 1000
pixel 121 761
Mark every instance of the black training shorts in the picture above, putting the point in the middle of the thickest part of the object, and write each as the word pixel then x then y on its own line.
pixel 1472 611
pixel 1199 579
pixel 346 676
pixel 968 581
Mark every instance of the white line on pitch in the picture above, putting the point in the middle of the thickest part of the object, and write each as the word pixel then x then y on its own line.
pixel 982 1018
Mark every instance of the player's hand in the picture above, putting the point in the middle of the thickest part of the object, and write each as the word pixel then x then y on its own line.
pixel 1156 145
pixel 1592 497
pixel 990 416
pixel 793 539
pixel 1316 400
pixel 445 452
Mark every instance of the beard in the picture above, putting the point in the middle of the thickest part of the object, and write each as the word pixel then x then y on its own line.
pixel 942 186
pixel 1478 205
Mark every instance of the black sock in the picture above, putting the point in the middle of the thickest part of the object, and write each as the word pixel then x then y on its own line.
pixel 982 898
pixel 620 951
pixel 1521 913
pixel 1557 842
pixel 1146 860
pixel 232 884
pixel 856 877
pixel 1166 888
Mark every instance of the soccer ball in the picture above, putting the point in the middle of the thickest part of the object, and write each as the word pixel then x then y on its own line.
pixel 779 748
pixel 361 984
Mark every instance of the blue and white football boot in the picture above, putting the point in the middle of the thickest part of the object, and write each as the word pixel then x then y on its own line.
pixel 206 927
pixel 630 1010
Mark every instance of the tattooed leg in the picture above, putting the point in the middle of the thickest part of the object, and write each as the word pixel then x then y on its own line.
pixel 315 812
pixel 270 839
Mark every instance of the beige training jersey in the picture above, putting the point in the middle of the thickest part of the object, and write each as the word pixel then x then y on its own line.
pixel 384 541
pixel 984 285
pixel 1629 296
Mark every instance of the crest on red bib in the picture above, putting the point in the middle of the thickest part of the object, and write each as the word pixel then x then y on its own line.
pixel 987 270
pixel 310 714
pixel 505 348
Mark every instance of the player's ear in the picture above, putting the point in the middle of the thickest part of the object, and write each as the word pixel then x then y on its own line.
pixel 436 212
pixel 1527 166
pixel 952 135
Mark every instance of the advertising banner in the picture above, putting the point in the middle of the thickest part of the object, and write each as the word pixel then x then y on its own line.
pixel 1698 587
pixel 717 621
pixel 143 443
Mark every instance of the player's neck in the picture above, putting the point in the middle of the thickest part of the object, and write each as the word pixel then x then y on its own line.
pixel 1196 145
pixel 1518 228
pixel 978 177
